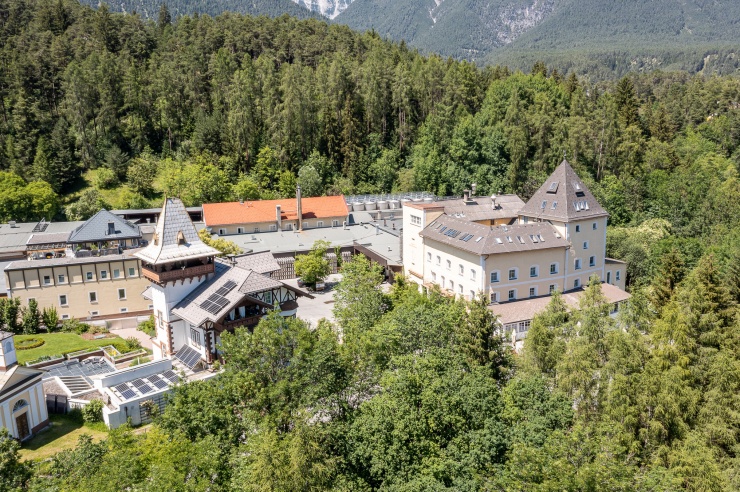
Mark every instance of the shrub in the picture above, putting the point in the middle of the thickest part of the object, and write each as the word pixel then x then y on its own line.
pixel 50 318
pixel 28 343
pixel 93 412
pixel 31 318
pixel 95 329
pixel 148 327
pixel 74 326
pixel 132 343
pixel 106 178
pixel 151 408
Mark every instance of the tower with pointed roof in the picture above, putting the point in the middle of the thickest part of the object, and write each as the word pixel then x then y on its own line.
pixel 565 202
pixel 176 262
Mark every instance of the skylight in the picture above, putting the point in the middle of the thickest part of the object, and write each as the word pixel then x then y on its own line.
pixel 544 204
pixel 553 187
pixel 520 239
pixel 554 205
pixel 499 241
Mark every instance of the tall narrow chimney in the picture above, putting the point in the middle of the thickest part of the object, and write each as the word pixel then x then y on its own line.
pixel 278 218
pixel 466 195
pixel 300 209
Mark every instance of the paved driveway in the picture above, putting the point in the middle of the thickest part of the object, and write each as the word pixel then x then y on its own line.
pixel 312 310
pixel 146 342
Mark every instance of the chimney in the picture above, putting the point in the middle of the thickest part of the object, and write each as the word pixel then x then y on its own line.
pixel 300 209
pixel 466 195
pixel 472 189
pixel 279 217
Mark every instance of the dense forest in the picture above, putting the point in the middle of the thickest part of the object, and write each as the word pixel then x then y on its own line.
pixel 102 109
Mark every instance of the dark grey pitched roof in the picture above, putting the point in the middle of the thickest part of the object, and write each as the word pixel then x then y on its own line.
pixel 484 207
pixel 259 262
pixel 564 198
pixel 97 228
pixel 484 240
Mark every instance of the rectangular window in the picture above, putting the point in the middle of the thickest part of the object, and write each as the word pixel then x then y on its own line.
pixel 608 277
pixel 449 264
pixel 460 288
pixel 578 263
pixel 256 229
pixel 494 277
pixel 60 279
pixel 494 296
pixel 335 223
pixel 512 274
pixel 576 283
pixel 195 336
pixel 116 273
pixel 553 268
pixel 151 306
pixel 320 223
pixel 593 226
pixel 434 277
pixel 103 274
pixel 472 295
pixel 429 257
pixel 552 288
pixel 121 294
pixel 93 297
pixel 512 294
pixel 94 313
pixel 415 220
pixel 617 275
pixel 63 300
pixel 472 274
pixel 585 244
pixel 240 230
pixel 273 227
pixel 65 316
pixel 221 232
pixel 439 260
pixel 268 297
pixel 47 280
pixel 592 261
pixel 462 270
pixel 533 271
pixel 578 228
pixel 89 275
pixel 124 310
pixel 132 272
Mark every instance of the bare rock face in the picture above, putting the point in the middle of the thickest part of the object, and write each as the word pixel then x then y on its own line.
pixel 517 19
pixel 327 8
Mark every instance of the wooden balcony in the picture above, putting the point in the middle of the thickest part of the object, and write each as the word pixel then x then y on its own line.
pixel 248 321
pixel 178 273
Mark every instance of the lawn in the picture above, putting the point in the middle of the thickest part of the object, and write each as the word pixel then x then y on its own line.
pixel 63 434
pixel 58 343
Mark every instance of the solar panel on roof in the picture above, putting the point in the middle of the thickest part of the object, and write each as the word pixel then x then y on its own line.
pixel 157 381
pixel 142 386
pixel 188 356
pixel 126 392
pixel 443 229
pixel 171 376
pixel 226 288
pixel 468 238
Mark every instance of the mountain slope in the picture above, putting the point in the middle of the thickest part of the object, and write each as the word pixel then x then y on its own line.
pixel 516 32
pixel 327 8
pixel 149 9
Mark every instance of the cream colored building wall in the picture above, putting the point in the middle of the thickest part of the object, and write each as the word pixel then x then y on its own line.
pixel 443 265
pixel 521 263
pixel 286 225
pixel 596 239
pixel 29 283
pixel 413 244
pixel 615 274
pixel 36 408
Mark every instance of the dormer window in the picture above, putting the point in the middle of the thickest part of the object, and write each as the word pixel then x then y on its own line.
pixel 156 239
pixel 553 188
pixel 111 228
pixel 180 238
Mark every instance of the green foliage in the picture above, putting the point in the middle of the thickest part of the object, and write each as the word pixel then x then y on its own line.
pixel 225 246
pixel 26 202
pixel 93 411
pixel 89 203
pixel 149 326
pixel 14 473
pixel 50 318
pixel 313 267
pixel 10 308
pixel 31 318
pixel 132 343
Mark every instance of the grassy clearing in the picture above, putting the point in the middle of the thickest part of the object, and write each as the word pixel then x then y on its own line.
pixel 58 343
pixel 63 434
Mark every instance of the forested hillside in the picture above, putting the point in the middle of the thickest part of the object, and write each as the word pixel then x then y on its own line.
pixel 102 109
pixel 149 9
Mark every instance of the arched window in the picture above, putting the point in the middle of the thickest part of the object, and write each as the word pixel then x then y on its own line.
pixel 20 404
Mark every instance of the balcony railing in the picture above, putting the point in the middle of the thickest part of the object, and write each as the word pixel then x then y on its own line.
pixel 248 321
pixel 178 273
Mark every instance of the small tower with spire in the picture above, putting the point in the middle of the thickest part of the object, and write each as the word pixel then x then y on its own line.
pixel 176 262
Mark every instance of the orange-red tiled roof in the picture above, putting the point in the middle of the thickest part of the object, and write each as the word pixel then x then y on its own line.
pixel 230 213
